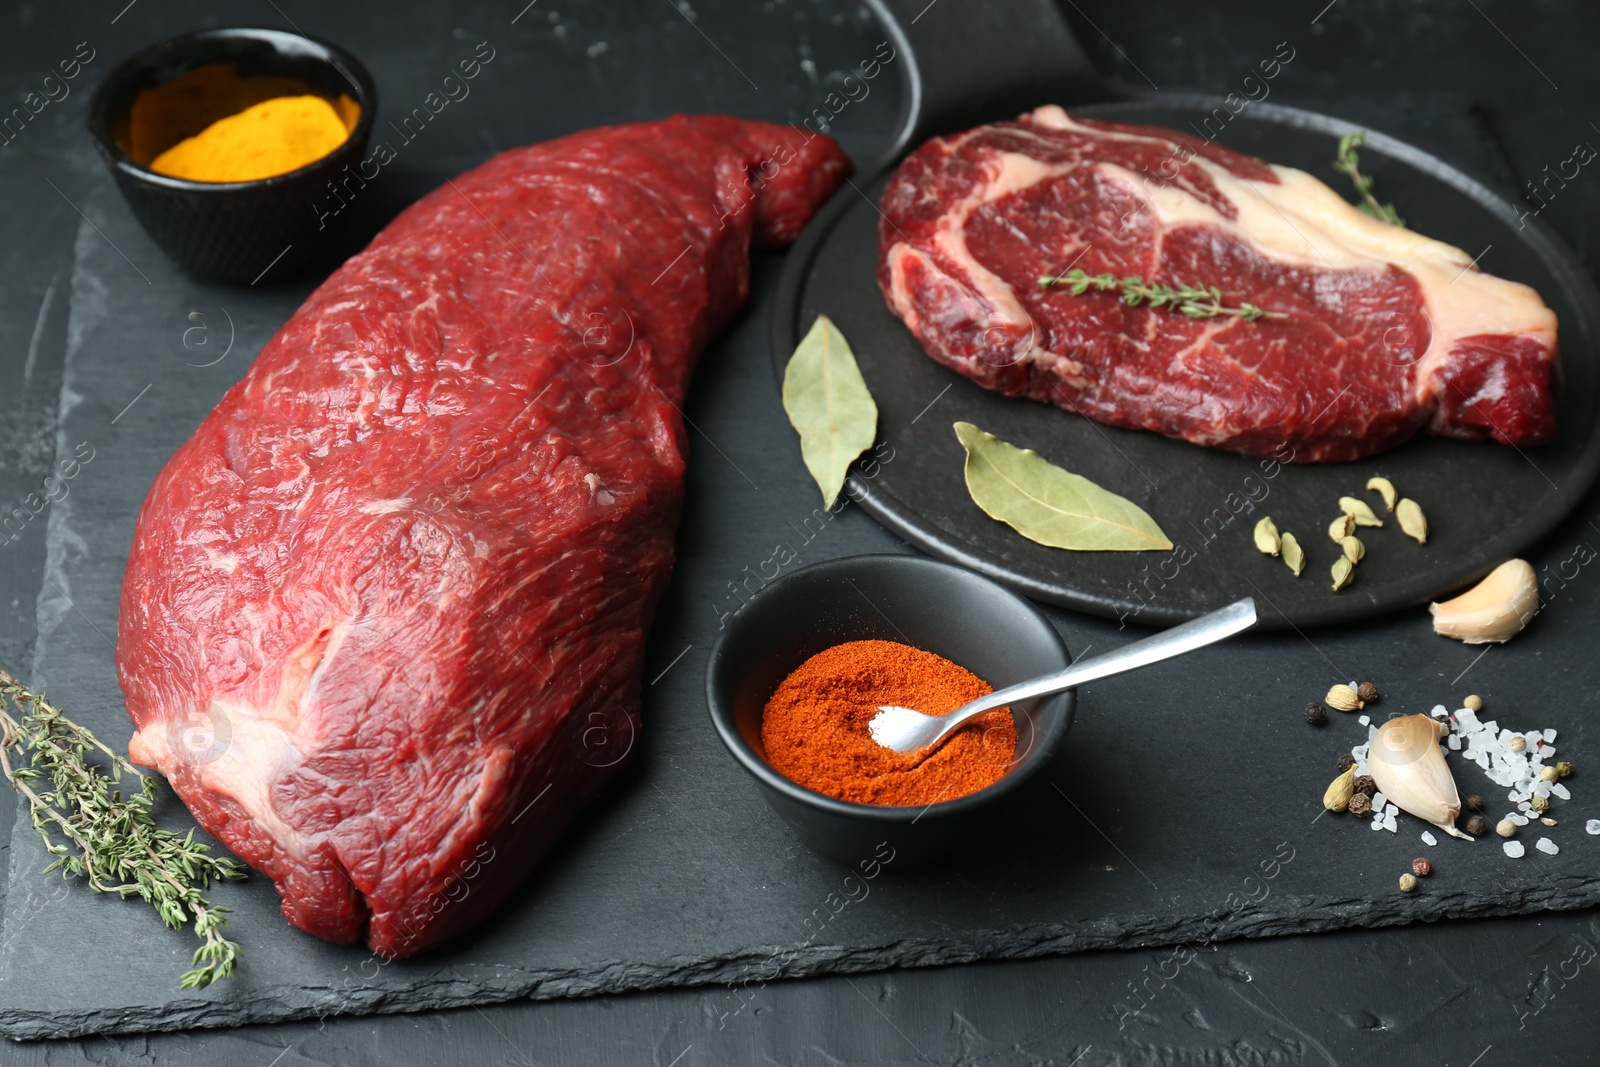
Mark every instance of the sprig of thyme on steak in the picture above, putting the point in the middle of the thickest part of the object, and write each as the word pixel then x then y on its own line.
pixel 1190 300
pixel 1348 162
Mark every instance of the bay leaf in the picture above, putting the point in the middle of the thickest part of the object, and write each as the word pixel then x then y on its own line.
pixel 829 405
pixel 1049 505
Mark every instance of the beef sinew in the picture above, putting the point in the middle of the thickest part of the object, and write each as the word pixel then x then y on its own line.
pixel 1387 331
pixel 383 618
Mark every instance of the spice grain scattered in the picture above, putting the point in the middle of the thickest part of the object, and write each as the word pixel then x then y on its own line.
pixel 814 730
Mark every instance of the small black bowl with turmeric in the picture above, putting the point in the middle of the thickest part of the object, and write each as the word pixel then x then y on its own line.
pixel 224 141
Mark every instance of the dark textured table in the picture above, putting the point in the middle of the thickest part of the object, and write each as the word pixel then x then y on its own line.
pixel 1499 89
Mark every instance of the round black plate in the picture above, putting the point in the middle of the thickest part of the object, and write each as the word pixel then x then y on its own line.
pixel 1484 502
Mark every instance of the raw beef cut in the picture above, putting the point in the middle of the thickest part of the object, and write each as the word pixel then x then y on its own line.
pixel 384 614
pixel 1387 331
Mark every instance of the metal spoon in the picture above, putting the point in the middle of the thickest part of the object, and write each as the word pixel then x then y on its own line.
pixel 905 730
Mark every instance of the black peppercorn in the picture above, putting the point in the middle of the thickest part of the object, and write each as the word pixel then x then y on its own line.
pixel 1316 714
pixel 1366 786
pixel 1346 761
pixel 1477 826
pixel 1367 692
pixel 1360 806
pixel 1475 802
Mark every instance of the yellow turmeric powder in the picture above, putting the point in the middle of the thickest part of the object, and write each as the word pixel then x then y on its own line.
pixel 271 138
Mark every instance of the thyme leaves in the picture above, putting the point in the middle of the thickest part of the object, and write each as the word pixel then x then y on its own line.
pixel 110 840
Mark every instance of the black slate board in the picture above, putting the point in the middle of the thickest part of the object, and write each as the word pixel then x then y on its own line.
pixel 680 875
pixel 1484 502
pixel 1434 992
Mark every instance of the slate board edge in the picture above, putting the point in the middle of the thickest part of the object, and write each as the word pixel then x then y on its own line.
pixel 1299 916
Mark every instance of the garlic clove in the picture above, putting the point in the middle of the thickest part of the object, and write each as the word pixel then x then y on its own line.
pixel 1494 610
pixel 1405 762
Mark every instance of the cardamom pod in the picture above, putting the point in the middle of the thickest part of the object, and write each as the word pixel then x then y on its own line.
pixel 1343 572
pixel 1354 550
pixel 1341 528
pixel 1358 510
pixel 1384 488
pixel 1338 794
pixel 1343 698
pixel 1293 556
pixel 1412 522
pixel 1267 536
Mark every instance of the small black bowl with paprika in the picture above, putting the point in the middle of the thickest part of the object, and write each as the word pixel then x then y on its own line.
pixel 231 231
pixel 933 606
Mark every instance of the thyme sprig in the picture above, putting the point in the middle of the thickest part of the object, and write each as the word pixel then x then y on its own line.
pixel 1190 300
pixel 1348 162
pixel 108 839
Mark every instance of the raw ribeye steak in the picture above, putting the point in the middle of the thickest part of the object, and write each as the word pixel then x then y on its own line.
pixel 383 618
pixel 1387 331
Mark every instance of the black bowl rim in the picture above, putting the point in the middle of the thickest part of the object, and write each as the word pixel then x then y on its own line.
pixel 1030 764
pixel 99 125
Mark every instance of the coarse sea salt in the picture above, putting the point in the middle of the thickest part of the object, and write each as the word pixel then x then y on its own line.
pixel 1483 742
pixel 1593 826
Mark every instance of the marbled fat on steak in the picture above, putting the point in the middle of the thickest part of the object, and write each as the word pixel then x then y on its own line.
pixel 1387 331
pixel 383 618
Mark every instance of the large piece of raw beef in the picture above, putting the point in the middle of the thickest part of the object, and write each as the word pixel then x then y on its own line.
pixel 383 618
pixel 1387 331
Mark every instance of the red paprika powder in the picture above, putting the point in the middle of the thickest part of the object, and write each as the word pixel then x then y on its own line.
pixel 814 728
